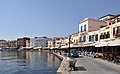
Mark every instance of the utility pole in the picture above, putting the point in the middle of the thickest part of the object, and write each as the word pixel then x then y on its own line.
pixel 69 45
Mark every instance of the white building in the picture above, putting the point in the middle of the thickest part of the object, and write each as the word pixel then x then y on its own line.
pixel 40 42
pixel 32 42
pixel 88 25
pixel 106 17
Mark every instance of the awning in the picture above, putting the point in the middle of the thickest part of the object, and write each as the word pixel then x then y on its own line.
pixel 73 46
pixel 92 44
pixel 64 46
pixel 115 42
pixel 101 44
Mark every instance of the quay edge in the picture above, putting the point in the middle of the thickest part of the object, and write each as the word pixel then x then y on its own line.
pixel 64 66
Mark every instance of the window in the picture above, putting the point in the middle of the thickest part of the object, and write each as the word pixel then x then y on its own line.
pixel 118 30
pixel 104 35
pixel 118 19
pixel 74 41
pixel 113 22
pixel 84 38
pixel 96 37
pixel 81 28
pixel 84 27
pixel 90 38
pixel 113 31
pixel 101 36
pixel 80 39
pixel 110 23
pixel 108 35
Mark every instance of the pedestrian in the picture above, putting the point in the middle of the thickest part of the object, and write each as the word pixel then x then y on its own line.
pixel 60 52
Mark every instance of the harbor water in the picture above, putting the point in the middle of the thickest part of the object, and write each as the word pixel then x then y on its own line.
pixel 28 62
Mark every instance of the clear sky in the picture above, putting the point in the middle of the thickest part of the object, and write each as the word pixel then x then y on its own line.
pixel 19 18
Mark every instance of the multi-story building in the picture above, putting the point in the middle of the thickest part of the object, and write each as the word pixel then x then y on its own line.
pixel 23 42
pixel 3 43
pixel 75 38
pixel 12 44
pixel 55 42
pixel 40 42
pixel 50 43
pixel 111 33
pixel 32 40
pixel 106 17
pixel 64 42
pixel 88 25
pixel 114 24
pixel 93 36
pixel 58 42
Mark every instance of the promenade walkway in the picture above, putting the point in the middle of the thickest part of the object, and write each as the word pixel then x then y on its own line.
pixel 96 66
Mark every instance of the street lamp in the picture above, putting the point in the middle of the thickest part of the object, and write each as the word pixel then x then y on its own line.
pixel 69 45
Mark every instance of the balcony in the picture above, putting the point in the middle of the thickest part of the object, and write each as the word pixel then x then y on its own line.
pixel 117 33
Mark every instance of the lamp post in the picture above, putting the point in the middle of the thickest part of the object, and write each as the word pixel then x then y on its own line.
pixel 69 46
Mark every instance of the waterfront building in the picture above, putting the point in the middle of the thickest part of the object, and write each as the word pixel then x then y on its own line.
pixel 110 36
pixel 40 42
pixel 32 42
pixel 75 38
pixel 55 42
pixel 23 42
pixel 64 42
pixel 88 25
pixel 58 42
pixel 3 43
pixel 12 44
pixel 50 43
pixel 114 22
pixel 105 33
pixel 111 31
pixel 93 36
pixel 106 17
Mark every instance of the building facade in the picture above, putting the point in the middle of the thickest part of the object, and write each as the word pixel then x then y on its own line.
pixel 3 43
pixel 93 33
pixel 32 42
pixel 64 42
pixel 40 42
pixel 56 42
pixel 88 25
pixel 23 42
pixel 12 44
pixel 75 38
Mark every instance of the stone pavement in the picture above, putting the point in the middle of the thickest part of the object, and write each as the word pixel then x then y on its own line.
pixel 96 66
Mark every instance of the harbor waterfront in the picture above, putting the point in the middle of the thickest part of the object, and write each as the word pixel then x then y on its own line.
pixel 28 62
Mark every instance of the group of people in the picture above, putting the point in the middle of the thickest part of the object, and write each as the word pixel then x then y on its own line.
pixel 90 54
pixel 111 57
pixel 106 56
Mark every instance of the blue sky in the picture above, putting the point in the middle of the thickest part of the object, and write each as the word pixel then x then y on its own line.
pixel 19 18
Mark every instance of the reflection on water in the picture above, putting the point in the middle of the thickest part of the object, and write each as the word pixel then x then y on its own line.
pixel 26 62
